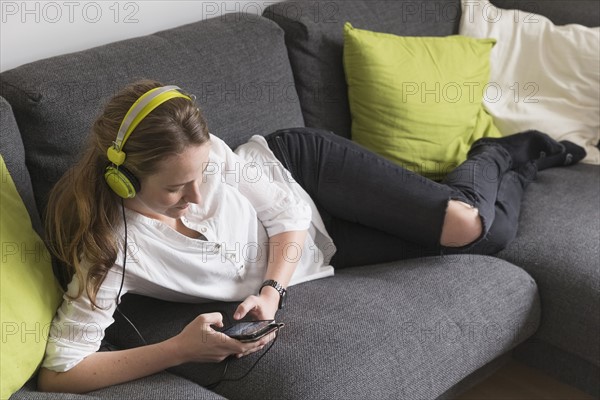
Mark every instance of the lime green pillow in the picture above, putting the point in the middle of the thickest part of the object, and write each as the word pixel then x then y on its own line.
pixel 30 293
pixel 418 101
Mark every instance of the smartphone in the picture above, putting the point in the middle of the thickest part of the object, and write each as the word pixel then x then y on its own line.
pixel 253 330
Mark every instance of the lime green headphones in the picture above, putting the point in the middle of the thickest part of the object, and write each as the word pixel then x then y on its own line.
pixel 119 178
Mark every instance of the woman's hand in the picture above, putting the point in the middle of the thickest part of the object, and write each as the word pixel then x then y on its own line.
pixel 199 342
pixel 263 306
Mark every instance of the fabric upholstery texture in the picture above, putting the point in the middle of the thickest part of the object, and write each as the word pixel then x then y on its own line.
pixel 405 330
pixel 558 244
pixel 561 12
pixel 155 387
pixel 11 149
pixel 236 66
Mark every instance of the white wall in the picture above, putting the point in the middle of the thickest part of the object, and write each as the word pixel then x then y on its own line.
pixel 32 30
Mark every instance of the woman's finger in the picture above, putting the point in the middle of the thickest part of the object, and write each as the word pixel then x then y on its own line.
pixel 245 307
pixel 214 318
pixel 250 351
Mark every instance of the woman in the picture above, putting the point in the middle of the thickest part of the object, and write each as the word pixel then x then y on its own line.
pixel 159 206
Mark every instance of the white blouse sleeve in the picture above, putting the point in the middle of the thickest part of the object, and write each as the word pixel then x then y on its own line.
pixel 278 208
pixel 77 330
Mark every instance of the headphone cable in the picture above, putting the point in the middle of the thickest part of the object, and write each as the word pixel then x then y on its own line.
pixel 123 277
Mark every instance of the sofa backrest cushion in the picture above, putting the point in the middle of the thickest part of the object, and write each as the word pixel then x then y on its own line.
pixel 561 12
pixel 13 153
pixel 236 65
pixel 314 36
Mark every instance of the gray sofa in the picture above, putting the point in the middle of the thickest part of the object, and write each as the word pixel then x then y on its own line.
pixel 419 328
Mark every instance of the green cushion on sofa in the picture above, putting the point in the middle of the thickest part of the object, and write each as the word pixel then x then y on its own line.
pixel 418 101
pixel 30 293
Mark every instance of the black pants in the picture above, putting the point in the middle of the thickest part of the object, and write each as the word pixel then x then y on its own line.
pixel 377 211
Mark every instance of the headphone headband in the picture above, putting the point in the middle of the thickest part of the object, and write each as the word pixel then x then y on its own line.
pixel 118 178
pixel 138 111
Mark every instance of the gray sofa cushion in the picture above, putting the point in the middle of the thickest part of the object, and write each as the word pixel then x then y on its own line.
pixel 236 66
pixel 314 36
pixel 561 12
pixel 406 330
pixel 558 243
pixel 13 153
pixel 155 387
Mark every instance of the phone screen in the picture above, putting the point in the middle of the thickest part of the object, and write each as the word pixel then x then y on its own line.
pixel 245 329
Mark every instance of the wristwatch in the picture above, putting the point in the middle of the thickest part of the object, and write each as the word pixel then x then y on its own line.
pixel 278 287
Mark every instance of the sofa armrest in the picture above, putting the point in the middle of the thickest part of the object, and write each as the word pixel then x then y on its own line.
pixel 163 385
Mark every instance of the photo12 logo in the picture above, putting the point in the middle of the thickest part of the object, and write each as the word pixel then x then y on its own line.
pixel 315 11
pixel 471 92
pixel 212 9
pixel 69 11
pixel 492 14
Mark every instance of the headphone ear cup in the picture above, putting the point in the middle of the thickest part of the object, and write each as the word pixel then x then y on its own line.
pixel 122 181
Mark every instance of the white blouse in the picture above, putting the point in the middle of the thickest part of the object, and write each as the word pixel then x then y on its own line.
pixel 247 197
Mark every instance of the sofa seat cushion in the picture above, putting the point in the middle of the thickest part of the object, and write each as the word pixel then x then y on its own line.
pixel 558 243
pixel 408 330
pixel 236 66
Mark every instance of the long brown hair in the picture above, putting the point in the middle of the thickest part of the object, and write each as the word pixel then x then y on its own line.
pixel 83 217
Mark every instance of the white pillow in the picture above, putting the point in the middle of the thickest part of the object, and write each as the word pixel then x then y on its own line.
pixel 543 76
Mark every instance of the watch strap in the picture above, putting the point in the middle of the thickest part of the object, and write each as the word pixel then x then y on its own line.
pixel 277 286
